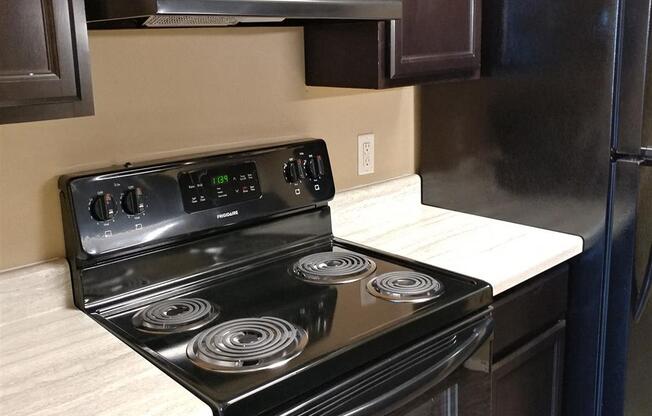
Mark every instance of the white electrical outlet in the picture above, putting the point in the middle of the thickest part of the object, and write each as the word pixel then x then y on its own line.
pixel 366 154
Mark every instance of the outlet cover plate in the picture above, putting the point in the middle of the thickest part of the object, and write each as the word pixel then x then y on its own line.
pixel 366 153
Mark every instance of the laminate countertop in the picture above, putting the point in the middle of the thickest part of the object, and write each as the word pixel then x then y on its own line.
pixel 55 360
pixel 389 216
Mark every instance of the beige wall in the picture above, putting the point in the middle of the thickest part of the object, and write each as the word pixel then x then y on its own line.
pixel 160 93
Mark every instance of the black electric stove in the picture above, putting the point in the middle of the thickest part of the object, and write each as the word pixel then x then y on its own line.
pixel 222 270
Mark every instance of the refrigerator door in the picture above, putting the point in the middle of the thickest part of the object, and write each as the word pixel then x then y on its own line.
pixel 628 357
pixel 638 400
pixel 632 72
pixel 643 267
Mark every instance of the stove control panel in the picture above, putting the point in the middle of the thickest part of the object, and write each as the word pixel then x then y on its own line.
pixel 138 207
pixel 219 186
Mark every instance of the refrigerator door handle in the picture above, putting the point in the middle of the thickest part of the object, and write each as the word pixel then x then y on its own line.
pixel 646 154
pixel 644 293
pixel 644 158
pixel 646 285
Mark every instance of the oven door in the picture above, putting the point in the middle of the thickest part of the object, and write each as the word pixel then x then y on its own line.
pixel 448 374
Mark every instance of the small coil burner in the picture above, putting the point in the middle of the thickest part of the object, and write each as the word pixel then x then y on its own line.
pixel 333 267
pixel 175 315
pixel 405 286
pixel 245 345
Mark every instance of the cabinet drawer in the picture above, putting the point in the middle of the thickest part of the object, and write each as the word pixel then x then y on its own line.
pixel 527 310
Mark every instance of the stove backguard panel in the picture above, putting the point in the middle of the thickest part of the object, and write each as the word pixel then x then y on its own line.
pixel 189 263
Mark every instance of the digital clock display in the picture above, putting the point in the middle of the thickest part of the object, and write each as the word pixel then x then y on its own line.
pixel 219 186
pixel 220 179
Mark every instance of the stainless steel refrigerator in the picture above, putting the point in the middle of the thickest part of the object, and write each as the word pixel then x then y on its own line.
pixel 558 134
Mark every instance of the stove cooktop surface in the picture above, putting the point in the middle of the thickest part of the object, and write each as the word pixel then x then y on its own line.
pixel 269 330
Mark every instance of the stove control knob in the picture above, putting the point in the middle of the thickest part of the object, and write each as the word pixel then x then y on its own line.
pixel 315 167
pixel 291 172
pixel 103 207
pixel 301 169
pixel 320 166
pixel 132 201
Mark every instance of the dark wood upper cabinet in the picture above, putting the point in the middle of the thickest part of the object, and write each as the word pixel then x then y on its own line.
pixel 435 40
pixel 435 36
pixel 44 60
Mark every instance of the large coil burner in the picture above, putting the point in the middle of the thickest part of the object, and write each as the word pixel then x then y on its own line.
pixel 246 345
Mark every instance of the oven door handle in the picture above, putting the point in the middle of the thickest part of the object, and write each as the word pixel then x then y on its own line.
pixel 450 361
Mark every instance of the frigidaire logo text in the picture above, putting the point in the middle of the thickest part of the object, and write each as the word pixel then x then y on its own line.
pixel 228 214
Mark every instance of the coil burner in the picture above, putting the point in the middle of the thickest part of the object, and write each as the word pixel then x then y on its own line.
pixel 246 345
pixel 405 286
pixel 333 267
pixel 175 315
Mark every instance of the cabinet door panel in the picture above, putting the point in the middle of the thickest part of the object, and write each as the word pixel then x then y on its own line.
pixel 44 70
pixel 435 36
pixel 25 50
pixel 529 309
pixel 529 381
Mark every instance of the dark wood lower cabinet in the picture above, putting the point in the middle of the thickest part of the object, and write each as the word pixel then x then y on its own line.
pixel 528 353
pixel 44 60
pixel 528 382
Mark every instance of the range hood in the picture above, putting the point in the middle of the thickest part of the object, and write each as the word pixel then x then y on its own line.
pixel 184 13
